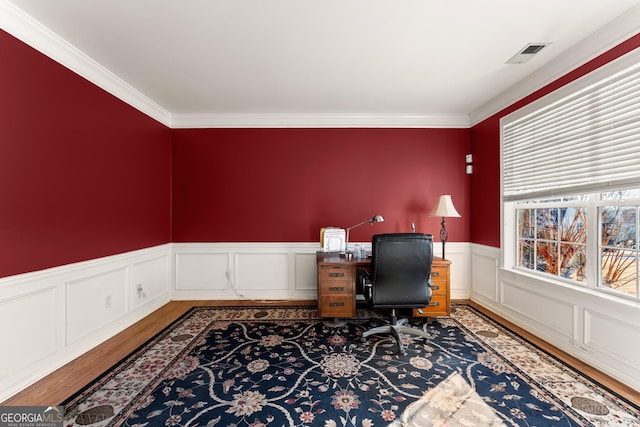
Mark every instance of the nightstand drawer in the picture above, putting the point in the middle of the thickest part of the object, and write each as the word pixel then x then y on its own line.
pixel 329 274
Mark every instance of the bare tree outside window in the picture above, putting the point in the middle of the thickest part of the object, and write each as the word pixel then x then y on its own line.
pixel 555 243
pixel 619 254
pixel 553 239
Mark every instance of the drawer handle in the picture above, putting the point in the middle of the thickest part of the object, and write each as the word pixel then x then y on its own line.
pixel 436 287
pixel 435 274
pixel 336 274
pixel 336 304
pixel 434 304
pixel 336 288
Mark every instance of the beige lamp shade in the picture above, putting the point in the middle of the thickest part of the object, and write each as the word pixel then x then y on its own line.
pixel 444 207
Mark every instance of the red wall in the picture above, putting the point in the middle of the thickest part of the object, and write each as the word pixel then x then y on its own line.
pixel 82 174
pixel 283 185
pixel 485 146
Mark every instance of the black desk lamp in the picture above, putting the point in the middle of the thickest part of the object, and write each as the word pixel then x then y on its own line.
pixel 377 218
pixel 444 208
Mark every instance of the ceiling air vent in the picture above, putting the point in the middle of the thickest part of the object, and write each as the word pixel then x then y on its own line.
pixel 528 52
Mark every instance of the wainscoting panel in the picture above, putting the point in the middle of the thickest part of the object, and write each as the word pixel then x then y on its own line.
pixel 150 280
pixel 305 272
pixel 536 305
pixel 52 316
pixel 601 329
pixel 613 339
pixel 197 270
pixel 261 270
pixel 94 302
pixel 29 315
pixel 458 254
pixel 484 265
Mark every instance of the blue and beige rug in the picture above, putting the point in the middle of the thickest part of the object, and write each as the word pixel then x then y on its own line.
pixel 254 367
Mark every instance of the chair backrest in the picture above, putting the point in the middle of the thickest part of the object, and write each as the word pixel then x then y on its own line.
pixel 401 270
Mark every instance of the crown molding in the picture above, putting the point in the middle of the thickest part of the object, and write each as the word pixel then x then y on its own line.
pixel 36 35
pixel 315 121
pixel 22 26
pixel 617 31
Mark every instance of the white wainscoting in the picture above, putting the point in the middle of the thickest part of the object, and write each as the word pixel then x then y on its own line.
pixel 52 316
pixel 458 254
pixel 253 271
pixel 267 271
pixel 600 329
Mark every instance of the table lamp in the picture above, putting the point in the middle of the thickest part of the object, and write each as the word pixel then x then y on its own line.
pixel 377 218
pixel 444 208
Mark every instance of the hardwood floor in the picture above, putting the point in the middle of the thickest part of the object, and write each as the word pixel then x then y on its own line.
pixel 56 387
pixel 59 385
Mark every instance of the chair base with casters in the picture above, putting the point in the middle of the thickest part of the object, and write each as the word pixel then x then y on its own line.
pixel 399 278
pixel 395 328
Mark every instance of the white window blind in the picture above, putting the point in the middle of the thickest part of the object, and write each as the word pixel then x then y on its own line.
pixel 585 141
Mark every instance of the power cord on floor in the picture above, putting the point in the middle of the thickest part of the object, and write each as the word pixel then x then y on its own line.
pixel 232 286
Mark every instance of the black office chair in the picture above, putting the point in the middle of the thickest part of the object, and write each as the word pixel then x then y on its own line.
pixel 399 278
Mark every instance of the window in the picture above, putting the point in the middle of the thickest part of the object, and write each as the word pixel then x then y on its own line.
pixel 553 238
pixel 571 182
pixel 618 245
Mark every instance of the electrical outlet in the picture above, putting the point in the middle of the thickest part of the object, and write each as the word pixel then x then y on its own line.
pixel 140 290
pixel 108 302
pixel 227 274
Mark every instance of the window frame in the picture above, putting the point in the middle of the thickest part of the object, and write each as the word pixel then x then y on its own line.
pixel 593 265
pixel 509 204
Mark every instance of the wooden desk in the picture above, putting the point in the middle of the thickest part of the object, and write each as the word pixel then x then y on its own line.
pixel 337 286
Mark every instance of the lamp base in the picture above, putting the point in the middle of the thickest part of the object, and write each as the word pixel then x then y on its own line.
pixel 444 235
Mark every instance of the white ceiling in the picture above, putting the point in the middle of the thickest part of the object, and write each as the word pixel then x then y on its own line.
pixel 193 63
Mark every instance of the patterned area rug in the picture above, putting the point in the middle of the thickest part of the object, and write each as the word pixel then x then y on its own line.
pixel 284 366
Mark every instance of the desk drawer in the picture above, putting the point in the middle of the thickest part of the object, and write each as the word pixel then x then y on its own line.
pixel 438 306
pixel 335 288
pixel 439 273
pixel 438 288
pixel 330 274
pixel 337 306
